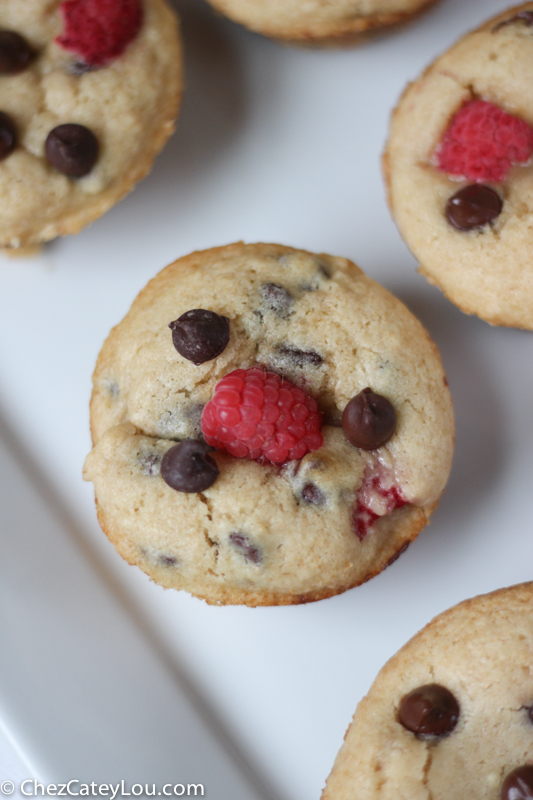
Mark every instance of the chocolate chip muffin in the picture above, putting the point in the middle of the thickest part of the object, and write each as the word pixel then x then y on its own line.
pixel 89 92
pixel 450 716
pixel 269 427
pixel 459 172
pixel 319 22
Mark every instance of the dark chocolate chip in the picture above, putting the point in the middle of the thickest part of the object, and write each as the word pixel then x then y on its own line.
pixel 429 711
pixel 473 206
pixel 150 464
pixel 369 420
pixel 242 543
pixel 200 335
pixel 15 53
pixel 78 68
pixel 530 714
pixel 276 298
pixel 324 270
pixel 313 495
pixel 518 785
pixel 167 561
pixel 301 358
pixel 524 16
pixel 72 149
pixel 187 467
pixel 8 136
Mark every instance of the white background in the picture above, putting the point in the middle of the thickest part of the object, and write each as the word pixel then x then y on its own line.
pixel 273 144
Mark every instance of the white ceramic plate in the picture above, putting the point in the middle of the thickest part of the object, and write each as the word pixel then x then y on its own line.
pixel 105 676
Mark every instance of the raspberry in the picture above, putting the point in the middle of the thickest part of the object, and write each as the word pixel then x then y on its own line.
pixel 259 415
pixel 100 30
pixel 377 497
pixel 483 142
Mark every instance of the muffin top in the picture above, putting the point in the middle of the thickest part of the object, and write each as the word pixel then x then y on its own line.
pixel 450 715
pixel 318 522
pixel 459 170
pixel 117 78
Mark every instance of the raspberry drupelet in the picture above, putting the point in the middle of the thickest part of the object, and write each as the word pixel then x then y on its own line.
pixel 482 143
pixel 99 31
pixel 259 415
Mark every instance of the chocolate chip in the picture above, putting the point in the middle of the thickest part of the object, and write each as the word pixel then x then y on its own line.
pixel 242 543
pixel 8 135
pixel 167 561
pixel 429 711
pixel 369 420
pixel 187 467
pixel 524 16
pixel 530 714
pixel 473 207
pixel 301 358
pixel 313 495
pixel 200 335
pixel 72 149
pixel 276 298
pixel 150 464
pixel 518 785
pixel 15 53
pixel 324 270
pixel 78 68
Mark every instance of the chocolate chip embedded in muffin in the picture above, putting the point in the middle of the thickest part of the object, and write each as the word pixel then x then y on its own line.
pixel 244 545
pixel 72 149
pixel 277 299
pixel 473 207
pixel 8 136
pixel 15 53
pixel 518 784
pixel 369 420
pixel 200 335
pixel 526 17
pixel 429 711
pixel 188 467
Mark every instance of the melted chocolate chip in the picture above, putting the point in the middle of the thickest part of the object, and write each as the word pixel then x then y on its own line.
pixel 524 16
pixel 200 335
pixel 313 495
pixel 15 53
pixel 79 68
pixel 518 785
pixel 369 420
pixel 150 464
pixel 72 149
pixel 276 298
pixel 429 710
pixel 187 467
pixel 301 358
pixel 473 207
pixel 167 561
pixel 8 136
pixel 242 543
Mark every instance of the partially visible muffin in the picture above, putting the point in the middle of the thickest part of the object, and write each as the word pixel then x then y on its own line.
pixel 89 93
pixel 450 716
pixel 317 21
pixel 313 418
pixel 459 171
